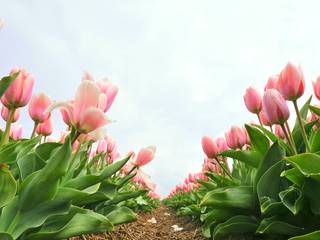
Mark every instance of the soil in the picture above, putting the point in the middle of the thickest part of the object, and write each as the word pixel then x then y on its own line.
pixel 143 229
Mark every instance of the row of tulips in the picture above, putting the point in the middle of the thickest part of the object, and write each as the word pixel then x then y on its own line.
pixel 58 188
pixel 261 181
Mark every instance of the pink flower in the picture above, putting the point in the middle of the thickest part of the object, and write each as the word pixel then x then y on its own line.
pixel 110 91
pixel 5 114
pixel 45 128
pixel 275 107
pixel 65 115
pixel 87 76
pixel 279 132
pixel 221 144
pixel 145 156
pixel 153 195
pixel 209 147
pixel 291 82
pixel 19 92
pixel 16 131
pixel 236 137
pixel 316 88
pixel 102 146
pixel 264 119
pixel 37 107
pixel 272 82
pixel 252 100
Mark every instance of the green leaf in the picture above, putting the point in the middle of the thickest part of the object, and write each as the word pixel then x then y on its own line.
pixel 230 197
pixel 45 150
pixel 315 110
pixel 311 190
pixel 271 207
pixel 29 164
pixel 293 199
pixel 5 236
pixel 310 236
pixel 119 214
pixel 8 186
pixel 274 226
pixel 294 175
pixel 303 112
pixel 235 226
pixel 251 158
pixel 315 141
pixel 307 163
pixel 124 196
pixel 6 81
pixel 257 139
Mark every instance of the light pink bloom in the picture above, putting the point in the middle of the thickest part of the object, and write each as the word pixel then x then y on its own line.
pixel 221 144
pixel 110 90
pixel 153 195
pixel 145 156
pixel 291 82
pixel 45 128
pixel 316 87
pixel 5 114
pixel 87 76
pixel 272 82
pixel 16 131
pixel 37 107
pixel 19 92
pixel 279 132
pixel 209 147
pixel 264 119
pixel 236 137
pixel 252 100
pixel 275 107
pixel 102 146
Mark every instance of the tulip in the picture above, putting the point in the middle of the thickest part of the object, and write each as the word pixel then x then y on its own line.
pixel 110 90
pixel 87 76
pixel 102 146
pixel 5 114
pixel 275 107
pixel 279 132
pixel 19 92
pixel 272 82
pixel 252 100
pixel 45 128
pixel 145 156
pixel 65 115
pixel 221 144
pixel 291 82
pixel 316 87
pixel 16 131
pixel 236 138
pixel 209 147
pixel 264 119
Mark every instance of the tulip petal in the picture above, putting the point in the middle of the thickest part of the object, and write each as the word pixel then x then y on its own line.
pixel 91 119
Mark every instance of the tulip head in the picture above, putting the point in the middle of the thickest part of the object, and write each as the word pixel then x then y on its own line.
pixel 272 82
pixel 279 132
pixel 145 156
pixel 109 90
pixel 291 82
pixel 264 119
pixel 19 92
pixel 275 107
pixel 5 114
pixel 209 147
pixel 37 107
pixel 316 87
pixel 45 128
pixel 252 100
pixel 236 138
pixel 15 131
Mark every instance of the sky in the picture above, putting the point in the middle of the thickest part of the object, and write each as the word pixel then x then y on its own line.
pixel 182 66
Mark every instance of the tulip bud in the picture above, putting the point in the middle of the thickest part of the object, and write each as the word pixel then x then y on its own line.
pixel 272 82
pixel 5 114
pixel 221 144
pixel 145 156
pixel 236 138
pixel 316 87
pixel 264 120
pixel 37 107
pixel 102 146
pixel 19 92
pixel 291 82
pixel 45 128
pixel 209 147
pixel 279 132
pixel 252 100
pixel 16 131
pixel 275 107
pixel 110 90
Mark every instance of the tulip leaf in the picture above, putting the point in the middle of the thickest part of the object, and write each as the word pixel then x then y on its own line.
pixel 303 112
pixel 251 158
pixel 5 236
pixel 311 190
pixel 293 199
pixel 310 236
pixel 29 164
pixel 315 141
pixel 257 139
pixel 274 226
pixel 45 150
pixel 119 214
pixel 6 81
pixel 123 196
pixel 315 110
pixel 294 175
pixel 8 186
pixel 269 207
pixel 235 226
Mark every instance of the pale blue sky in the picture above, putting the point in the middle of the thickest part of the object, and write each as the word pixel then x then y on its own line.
pixel 181 66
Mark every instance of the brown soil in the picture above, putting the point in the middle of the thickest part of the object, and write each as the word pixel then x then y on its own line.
pixel 144 230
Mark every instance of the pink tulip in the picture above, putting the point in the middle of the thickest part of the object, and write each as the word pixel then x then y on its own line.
pixel 236 137
pixel 87 76
pixel 16 131
pixel 209 147
pixel 145 156
pixel 279 132
pixel 5 114
pixel 37 107
pixel 153 195
pixel 264 120
pixel 45 128
pixel 221 144
pixel 291 82
pixel 252 100
pixel 275 107
pixel 102 146
pixel 109 90
pixel 316 87
pixel 19 92
pixel 65 115
pixel 272 82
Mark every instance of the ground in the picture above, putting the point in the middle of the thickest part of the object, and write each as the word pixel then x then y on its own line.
pixel 143 229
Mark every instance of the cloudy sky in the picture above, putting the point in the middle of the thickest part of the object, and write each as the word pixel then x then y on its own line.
pixel 181 66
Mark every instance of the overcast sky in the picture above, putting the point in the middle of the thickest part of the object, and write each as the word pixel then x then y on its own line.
pixel 182 66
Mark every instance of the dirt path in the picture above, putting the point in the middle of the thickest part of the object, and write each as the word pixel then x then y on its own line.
pixel 143 229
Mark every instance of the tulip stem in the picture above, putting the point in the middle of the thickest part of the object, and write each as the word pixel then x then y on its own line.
pixel 5 136
pixel 259 120
pixel 271 129
pixel 303 130
pixel 223 168
pixel 288 139
pixel 290 134
pixel 34 130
